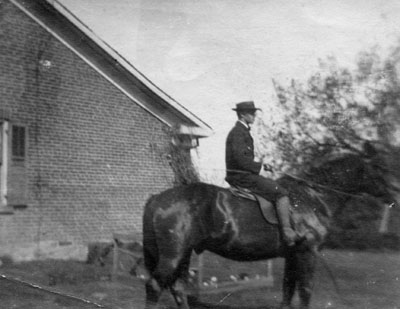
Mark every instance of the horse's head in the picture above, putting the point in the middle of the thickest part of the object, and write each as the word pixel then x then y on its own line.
pixel 353 174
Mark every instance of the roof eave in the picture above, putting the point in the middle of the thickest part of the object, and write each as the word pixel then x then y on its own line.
pixel 66 27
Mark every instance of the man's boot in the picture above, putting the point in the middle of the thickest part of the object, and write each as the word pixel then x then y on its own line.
pixel 283 211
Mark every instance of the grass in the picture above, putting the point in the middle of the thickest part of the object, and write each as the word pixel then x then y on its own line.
pixel 367 280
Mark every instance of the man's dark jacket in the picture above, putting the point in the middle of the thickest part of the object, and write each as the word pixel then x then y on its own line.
pixel 239 154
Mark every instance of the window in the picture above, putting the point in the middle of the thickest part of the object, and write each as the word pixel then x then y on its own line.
pixel 18 143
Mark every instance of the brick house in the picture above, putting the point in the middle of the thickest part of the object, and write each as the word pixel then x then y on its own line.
pixel 83 133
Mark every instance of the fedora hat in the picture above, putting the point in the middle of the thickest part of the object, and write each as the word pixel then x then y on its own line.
pixel 245 106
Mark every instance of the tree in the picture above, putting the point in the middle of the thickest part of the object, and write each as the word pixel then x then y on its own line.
pixel 338 111
pixel 341 114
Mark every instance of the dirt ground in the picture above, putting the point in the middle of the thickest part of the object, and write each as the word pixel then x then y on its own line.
pixel 366 280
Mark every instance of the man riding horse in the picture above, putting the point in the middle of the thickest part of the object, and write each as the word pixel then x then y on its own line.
pixel 202 217
pixel 242 171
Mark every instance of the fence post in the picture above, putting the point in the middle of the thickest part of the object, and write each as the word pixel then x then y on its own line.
pixel 383 228
pixel 200 265
pixel 115 260
pixel 270 274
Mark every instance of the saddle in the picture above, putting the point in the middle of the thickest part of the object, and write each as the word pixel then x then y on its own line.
pixel 266 207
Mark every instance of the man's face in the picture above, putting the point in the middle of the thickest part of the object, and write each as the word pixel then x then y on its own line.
pixel 249 117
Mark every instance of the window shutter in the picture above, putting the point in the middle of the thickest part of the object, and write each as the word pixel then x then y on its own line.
pixel 18 143
pixel 17 171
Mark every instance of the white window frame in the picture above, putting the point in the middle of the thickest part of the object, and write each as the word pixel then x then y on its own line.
pixel 4 136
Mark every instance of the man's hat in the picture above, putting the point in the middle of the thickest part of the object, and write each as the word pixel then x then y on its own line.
pixel 245 107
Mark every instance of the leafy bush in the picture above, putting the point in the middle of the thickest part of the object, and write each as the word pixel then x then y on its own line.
pixel 356 224
pixel 359 240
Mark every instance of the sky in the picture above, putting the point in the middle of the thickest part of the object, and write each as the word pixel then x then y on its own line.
pixel 211 54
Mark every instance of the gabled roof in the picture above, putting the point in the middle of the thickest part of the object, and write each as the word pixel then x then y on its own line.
pixel 66 27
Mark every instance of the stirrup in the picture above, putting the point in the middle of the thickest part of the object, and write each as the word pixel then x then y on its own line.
pixel 290 237
pixel 308 237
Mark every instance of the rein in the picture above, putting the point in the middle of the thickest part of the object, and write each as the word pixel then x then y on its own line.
pixel 314 184
pixel 308 182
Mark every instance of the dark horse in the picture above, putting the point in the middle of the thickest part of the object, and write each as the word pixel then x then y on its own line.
pixel 200 217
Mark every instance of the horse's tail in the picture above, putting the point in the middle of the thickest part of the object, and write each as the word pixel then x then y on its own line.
pixel 331 275
pixel 150 248
pixel 156 263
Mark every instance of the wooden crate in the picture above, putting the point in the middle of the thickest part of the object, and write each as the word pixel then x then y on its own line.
pixel 120 239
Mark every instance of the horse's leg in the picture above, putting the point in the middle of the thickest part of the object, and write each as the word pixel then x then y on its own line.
pixel 153 293
pixel 152 288
pixel 306 262
pixel 289 279
pixel 178 289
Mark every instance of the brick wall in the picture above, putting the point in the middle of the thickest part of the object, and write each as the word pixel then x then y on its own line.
pixel 93 155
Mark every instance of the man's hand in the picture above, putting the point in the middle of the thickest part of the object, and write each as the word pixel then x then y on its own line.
pixel 268 168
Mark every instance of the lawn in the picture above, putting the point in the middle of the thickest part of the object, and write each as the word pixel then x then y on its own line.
pixel 366 280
